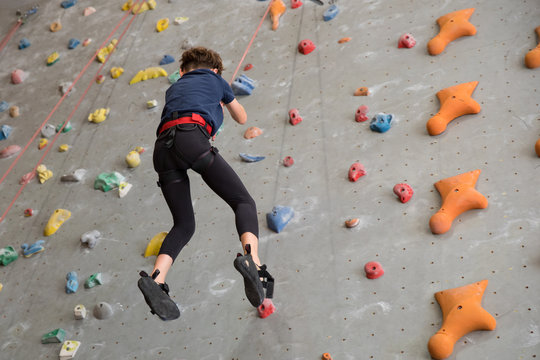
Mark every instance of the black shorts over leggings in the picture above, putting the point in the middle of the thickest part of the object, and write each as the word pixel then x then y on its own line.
pixel 190 142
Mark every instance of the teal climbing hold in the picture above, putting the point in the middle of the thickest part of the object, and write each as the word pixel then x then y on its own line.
pixel 174 77
pixel 108 181
pixel 8 255
pixel 93 280
pixel 55 336
pixel 66 128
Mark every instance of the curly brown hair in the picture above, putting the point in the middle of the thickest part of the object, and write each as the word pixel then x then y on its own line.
pixel 201 57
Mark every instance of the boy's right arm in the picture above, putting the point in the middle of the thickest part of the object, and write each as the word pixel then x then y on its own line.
pixel 237 111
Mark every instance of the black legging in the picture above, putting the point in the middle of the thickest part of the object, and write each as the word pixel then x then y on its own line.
pixel 190 142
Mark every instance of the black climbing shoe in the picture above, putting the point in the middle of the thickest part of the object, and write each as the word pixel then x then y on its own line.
pixel 157 297
pixel 253 285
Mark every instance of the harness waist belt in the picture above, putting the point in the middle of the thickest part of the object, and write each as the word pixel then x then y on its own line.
pixel 193 119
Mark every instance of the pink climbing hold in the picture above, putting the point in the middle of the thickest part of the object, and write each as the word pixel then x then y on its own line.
pixel 18 76
pixel 296 4
pixel 266 309
pixel 361 114
pixel 407 41
pixel 404 192
pixel 288 161
pixel 306 46
pixel 9 151
pixel 248 67
pixel 27 177
pixel 356 171
pixel 373 270
pixel 294 117
pixel 252 132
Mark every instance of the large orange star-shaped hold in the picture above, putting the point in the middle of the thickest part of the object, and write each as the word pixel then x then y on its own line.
pixel 532 59
pixel 458 195
pixel 462 313
pixel 452 26
pixel 277 8
pixel 455 102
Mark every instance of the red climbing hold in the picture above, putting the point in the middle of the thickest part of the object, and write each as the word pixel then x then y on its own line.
pixel 373 270
pixel 296 4
pixel 288 161
pixel 294 117
pixel 306 46
pixel 28 212
pixel 266 308
pixel 407 41
pixel 361 114
pixel 248 67
pixel 404 192
pixel 356 171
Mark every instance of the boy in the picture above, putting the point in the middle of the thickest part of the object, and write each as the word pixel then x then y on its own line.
pixel 192 114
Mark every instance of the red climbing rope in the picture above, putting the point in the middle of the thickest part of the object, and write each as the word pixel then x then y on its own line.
pixel 251 42
pixel 49 147
pixel 9 35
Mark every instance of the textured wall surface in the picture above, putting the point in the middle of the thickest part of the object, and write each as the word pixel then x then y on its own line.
pixel 324 301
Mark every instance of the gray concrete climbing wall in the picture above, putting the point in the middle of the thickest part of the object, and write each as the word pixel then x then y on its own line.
pixel 324 301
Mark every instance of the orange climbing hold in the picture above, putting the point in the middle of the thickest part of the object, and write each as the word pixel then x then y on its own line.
pixel 462 313
pixel 532 59
pixel 344 40
pixel 452 26
pixel 537 147
pixel 361 91
pixel 455 101
pixel 458 195
pixel 326 356
pixel 277 8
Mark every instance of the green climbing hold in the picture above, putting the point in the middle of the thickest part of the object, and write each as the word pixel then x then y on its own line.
pixel 55 336
pixel 65 129
pixel 93 280
pixel 8 255
pixel 174 77
pixel 108 181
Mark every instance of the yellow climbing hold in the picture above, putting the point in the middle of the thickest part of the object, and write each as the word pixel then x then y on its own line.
pixel 150 73
pixel 138 8
pixel 180 19
pixel 116 72
pixel 104 51
pixel 56 220
pixel 42 143
pixel 99 115
pixel 124 188
pixel 63 148
pixel 155 244
pixel 1 286
pixel 133 159
pixel 43 173
pixel 162 24
pixel 51 59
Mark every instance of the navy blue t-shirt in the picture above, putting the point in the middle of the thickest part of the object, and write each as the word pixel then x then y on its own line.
pixel 198 91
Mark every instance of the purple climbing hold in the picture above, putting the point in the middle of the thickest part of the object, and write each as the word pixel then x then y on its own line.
pixel 279 217
pixel 167 59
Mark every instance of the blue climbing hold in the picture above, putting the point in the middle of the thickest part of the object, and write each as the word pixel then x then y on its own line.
pixel 279 217
pixel 68 3
pixel 24 43
pixel 4 105
pixel 73 43
pixel 167 59
pixel 381 122
pixel 29 250
pixel 251 158
pixel 5 130
pixel 331 13
pixel 242 85
pixel 72 283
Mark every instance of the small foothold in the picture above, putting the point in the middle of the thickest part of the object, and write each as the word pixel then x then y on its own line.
pixel 25 179
pixel 89 11
pixel 9 151
pixel 537 147
pixel 149 73
pixel 108 181
pixel 64 128
pixel 279 217
pixel 24 43
pixel 294 117
pixel 106 50
pixel 180 19
pixel 404 192
pixel 53 58
pixel 55 26
pixel 162 24
pixel 69 349
pixel 14 111
pixel 139 8
pixel 174 77
pixel 86 42
pixel 28 212
pixel 116 72
pixel 407 41
pixel 79 312
pixel 133 159
pixel 151 104
pixel 452 26
pixel 361 91
pixel 344 40
pixel 331 12
pixel 72 282
pixel 277 8
pixel 43 173
pixel 352 223
pixel 55 336
pixel 251 158
pixel 93 280
pixel 153 247
pixel 4 105
pixel 48 130
pixel 73 43
pixel 103 311
pixel 266 309
pixel 65 86
pixel 326 356
pixel 99 115
pixel 306 46
pixel 8 255
pixel 5 131
pixel 356 171
pixel 124 188
pixel 361 114
pixel 381 122
pixel 252 132
pixel 29 250
pixel 288 161
pixel 296 4
pixel 243 85
pixel 42 143
pixel 373 270
pixel 63 148
pixel 167 59
pixel 532 58
pixel 100 79
pixel 68 3
pixel 75 176
pixel 58 217
pixel 18 76
pixel 248 67
pixel 91 238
